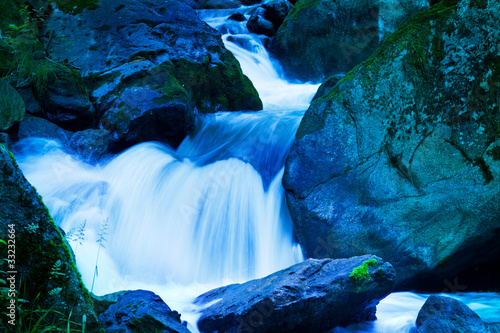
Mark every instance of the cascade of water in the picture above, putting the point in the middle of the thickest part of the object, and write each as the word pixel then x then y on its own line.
pixel 212 212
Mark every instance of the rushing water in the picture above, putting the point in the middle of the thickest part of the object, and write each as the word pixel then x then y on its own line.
pixel 210 213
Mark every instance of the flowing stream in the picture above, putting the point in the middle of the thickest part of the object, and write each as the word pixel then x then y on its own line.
pixel 210 213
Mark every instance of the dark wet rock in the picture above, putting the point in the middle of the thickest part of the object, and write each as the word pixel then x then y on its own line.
pixel 258 24
pixel 34 127
pixel 321 38
pixel 276 11
pixel 401 158
pixel 445 314
pixel 140 311
pixel 44 262
pixel 91 144
pixel 12 107
pixel 312 296
pixel 32 105
pixel 267 19
pixel 65 100
pixel 238 17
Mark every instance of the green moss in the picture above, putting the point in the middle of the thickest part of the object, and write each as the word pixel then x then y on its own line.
pixel 217 88
pixel 360 273
pixel 147 324
pixel 76 6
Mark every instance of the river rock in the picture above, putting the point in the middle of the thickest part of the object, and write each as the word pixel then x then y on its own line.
pixel 34 127
pixel 320 38
pixel 401 157
pixel 150 67
pixel 258 24
pixel 140 311
pixel 238 17
pixel 91 144
pixel 276 11
pixel 64 98
pixel 12 106
pixel 312 296
pixel 269 17
pixel 445 314
pixel 43 262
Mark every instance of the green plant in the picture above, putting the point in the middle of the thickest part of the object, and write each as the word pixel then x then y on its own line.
pixel 101 239
pixel 360 273
pixel 77 235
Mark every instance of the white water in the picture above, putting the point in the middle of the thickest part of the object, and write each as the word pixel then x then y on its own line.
pixel 211 213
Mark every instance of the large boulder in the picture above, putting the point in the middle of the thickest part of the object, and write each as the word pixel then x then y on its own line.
pixel 444 314
pixel 140 311
pixel 401 157
pixel 150 67
pixel 45 272
pixel 320 38
pixel 313 296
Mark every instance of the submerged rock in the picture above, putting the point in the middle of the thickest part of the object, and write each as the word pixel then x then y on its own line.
pixel 140 311
pixel 401 158
pixel 44 264
pixel 313 296
pixel 445 314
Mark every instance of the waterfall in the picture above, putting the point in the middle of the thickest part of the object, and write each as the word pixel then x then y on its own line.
pixel 210 213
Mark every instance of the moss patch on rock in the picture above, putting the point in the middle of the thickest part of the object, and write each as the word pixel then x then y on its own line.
pixel 360 274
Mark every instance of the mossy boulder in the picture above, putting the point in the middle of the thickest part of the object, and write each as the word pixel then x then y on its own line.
pixel 320 38
pixel 150 67
pixel 12 106
pixel 400 158
pixel 46 274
